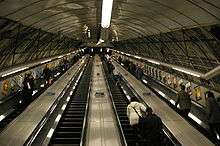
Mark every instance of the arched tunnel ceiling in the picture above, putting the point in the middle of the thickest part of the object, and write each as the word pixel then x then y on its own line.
pixel 149 17
pixel 181 32
pixel 145 17
pixel 65 16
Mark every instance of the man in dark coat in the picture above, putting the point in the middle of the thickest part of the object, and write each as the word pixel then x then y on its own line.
pixel 151 129
pixel 184 101
pixel 28 85
pixel 213 113
pixel 47 74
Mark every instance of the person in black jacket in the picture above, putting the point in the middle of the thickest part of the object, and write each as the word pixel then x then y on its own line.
pixel 47 74
pixel 184 101
pixel 213 113
pixel 28 85
pixel 151 129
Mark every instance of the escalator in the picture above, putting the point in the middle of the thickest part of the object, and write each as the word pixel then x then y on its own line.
pixel 19 106
pixel 121 102
pixel 70 127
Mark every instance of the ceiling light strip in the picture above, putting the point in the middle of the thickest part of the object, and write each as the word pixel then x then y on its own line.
pixel 106 13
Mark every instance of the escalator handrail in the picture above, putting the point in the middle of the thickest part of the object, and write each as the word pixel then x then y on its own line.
pixel 122 137
pixel 85 120
pixel 41 124
pixel 167 131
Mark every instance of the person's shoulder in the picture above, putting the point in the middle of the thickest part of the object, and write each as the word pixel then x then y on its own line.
pixel 156 117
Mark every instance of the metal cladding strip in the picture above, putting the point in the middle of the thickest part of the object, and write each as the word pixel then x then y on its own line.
pixel 19 130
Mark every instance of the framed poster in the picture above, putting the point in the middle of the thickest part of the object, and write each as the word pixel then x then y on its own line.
pixel 198 93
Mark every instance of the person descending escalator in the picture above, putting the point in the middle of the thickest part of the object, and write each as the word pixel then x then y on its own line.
pixel 151 129
pixel 116 76
pixel 135 115
pixel 213 114
pixel 110 67
pixel 47 74
pixel 139 72
pixel 184 101
pixel 28 85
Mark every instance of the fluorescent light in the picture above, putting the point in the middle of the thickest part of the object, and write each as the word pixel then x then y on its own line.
pixel 128 54
pixel 106 13
pixel 68 98
pixel 186 71
pixel 14 71
pixel 154 62
pixel 34 92
pixel 144 81
pixel 128 97
pixel 162 94
pixel 50 133
pixel 71 92
pixel 42 62
pixel 172 101
pixel 60 56
pixel 2 117
pixel 63 107
pixel 58 118
pixel 197 120
pixel 137 57
pixel 217 135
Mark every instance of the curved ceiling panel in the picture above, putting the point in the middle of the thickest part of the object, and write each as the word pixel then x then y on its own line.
pixel 165 15
pixel 52 15
pixel 182 32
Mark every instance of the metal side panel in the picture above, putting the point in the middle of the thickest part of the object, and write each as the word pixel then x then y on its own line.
pixel 102 129
pixel 19 130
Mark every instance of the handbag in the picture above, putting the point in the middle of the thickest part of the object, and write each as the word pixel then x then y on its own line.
pixel 140 117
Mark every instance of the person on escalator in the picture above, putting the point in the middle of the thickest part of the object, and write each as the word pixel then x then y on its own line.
pixel 110 67
pixel 139 72
pixel 135 115
pixel 184 101
pixel 213 113
pixel 116 76
pixel 47 74
pixel 27 91
pixel 151 129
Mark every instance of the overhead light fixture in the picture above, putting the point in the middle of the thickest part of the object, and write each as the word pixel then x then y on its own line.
pixel 197 120
pixel 15 71
pixel 58 118
pixel 138 57
pixel 106 13
pixel 42 62
pixel 60 56
pixel 187 72
pixel 154 62
pixel 50 133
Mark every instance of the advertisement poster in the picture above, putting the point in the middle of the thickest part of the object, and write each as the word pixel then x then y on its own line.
pixel 198 93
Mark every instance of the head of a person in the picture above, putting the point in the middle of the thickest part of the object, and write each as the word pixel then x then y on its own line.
pixel 149 111
pixel 182 87
pixel 133 99
pixel 209 94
